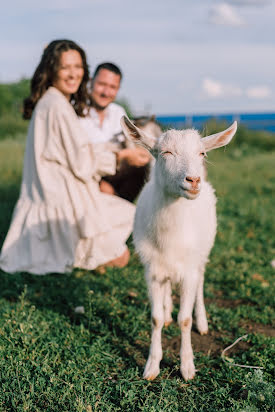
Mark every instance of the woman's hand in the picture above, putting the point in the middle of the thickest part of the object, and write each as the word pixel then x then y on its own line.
pixel 137 156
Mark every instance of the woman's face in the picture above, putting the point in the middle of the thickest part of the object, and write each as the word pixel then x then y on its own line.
pixel 70 73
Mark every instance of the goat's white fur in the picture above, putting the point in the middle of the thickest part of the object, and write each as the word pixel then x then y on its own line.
pixel 174 231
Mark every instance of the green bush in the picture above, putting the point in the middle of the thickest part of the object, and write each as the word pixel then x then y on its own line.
pixel 12 96
pixel 12 126
pixel 245 138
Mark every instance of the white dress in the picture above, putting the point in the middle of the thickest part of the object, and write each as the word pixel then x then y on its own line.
pixel 61 219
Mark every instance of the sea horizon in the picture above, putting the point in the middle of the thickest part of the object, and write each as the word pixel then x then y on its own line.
pixel 252 120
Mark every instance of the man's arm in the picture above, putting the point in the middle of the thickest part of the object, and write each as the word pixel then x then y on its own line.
pixel 136 156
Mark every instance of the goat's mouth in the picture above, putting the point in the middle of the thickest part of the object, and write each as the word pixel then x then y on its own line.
pixel 191 193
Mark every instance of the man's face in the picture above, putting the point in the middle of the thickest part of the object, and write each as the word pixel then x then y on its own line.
pixel 104 88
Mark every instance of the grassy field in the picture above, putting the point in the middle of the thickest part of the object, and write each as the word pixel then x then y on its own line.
pixel 53 359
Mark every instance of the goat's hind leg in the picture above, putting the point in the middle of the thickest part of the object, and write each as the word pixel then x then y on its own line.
pixel 201 319
pixel 168 304
pixel 156 292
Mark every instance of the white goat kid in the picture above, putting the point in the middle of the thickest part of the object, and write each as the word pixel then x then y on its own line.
pixel 174 231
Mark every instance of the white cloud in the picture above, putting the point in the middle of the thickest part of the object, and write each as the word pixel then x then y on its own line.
pixel 215 89
pixel 212 88
pixel 258 92
pixel 224 14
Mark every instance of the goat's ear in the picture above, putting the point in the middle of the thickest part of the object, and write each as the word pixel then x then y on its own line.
pixel 136 135
pixel 219 139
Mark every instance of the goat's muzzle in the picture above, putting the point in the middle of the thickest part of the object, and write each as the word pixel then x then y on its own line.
pixel 191 187
pixel 194 181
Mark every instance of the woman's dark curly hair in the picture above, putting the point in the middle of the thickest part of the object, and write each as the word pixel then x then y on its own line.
pixel 46 72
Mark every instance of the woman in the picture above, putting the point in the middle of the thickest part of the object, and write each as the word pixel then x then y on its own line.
pixel 61 219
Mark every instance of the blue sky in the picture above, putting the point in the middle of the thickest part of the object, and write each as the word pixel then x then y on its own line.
pixel 181 56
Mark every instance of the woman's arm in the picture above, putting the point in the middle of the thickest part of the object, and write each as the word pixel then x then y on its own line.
pixel 82 159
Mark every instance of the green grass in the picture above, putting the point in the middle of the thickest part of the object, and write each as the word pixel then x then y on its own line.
pixel 52 359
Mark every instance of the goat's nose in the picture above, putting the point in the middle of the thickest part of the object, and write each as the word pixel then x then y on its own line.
pixel 194 181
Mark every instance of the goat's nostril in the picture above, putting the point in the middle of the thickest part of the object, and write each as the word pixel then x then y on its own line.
pixel 194 181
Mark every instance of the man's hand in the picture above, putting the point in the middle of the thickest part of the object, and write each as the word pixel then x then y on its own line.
pixel 137 157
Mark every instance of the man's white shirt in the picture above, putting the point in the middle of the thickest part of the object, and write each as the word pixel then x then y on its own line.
pixel 111 124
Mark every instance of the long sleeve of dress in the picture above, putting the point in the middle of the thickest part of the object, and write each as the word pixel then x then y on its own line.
pixel 84 161
pixel 68 145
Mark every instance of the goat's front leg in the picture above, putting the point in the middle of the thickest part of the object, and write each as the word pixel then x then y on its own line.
pixel 201 319
pixel 168 304
pixel 188 289
pixel 156 292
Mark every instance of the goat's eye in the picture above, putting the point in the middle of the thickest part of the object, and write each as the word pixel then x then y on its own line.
pixel 166 153
pixel 203 154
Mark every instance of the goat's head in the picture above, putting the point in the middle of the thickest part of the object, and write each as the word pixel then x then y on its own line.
pixel 148 124
pixel 179 156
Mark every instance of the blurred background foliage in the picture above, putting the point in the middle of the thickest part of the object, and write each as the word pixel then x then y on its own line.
pixel 13 126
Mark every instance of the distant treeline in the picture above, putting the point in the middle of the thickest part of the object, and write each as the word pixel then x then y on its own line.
pixel 12 125
pixel 12 95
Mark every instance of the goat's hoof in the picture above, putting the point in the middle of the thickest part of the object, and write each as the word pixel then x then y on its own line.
pixel 188 370
pixel 202 326
pixel 151 370
pixel 150 377
pixel 168 322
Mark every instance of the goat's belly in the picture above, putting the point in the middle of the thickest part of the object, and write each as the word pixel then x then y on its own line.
pixel 175 262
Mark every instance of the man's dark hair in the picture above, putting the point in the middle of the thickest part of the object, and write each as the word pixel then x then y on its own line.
pixel 109 66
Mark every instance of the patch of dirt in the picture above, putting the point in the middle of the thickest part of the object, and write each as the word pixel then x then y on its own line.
pixel 227 303
pixel 220 302
pixel 209 344
pixel 267 330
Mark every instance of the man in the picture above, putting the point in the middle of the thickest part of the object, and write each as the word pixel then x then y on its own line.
pixel 103 126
